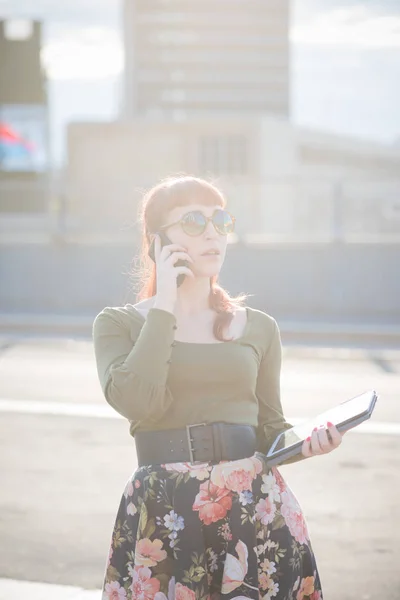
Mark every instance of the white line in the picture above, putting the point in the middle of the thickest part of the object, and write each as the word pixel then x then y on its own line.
pixel 104 411
pixel 10 588
pixel 67 409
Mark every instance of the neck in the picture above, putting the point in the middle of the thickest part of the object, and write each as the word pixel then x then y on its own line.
pixel 194 295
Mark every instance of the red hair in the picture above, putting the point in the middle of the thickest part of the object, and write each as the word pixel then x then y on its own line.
pixel 169 193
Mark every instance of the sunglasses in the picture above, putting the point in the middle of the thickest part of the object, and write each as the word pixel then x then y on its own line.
pixel 195 222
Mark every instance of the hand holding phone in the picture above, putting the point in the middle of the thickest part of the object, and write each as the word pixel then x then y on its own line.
pixel 172 258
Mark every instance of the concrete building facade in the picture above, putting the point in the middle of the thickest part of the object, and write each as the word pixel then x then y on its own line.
pixel 283 183
pixel 188 58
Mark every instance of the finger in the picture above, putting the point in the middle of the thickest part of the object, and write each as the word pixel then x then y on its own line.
pixel 315 447
pixel 335 435
pixel 323 441
pixel 169 248
pixel 306 448
pixel 175 256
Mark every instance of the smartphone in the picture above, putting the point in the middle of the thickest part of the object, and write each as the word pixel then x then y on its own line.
pixel 165 241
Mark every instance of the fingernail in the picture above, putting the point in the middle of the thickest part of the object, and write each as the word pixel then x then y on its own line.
pixel 330 424
pixel 308 439
pixel 315 429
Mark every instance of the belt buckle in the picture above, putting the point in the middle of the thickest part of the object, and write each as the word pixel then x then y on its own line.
pixel 190 440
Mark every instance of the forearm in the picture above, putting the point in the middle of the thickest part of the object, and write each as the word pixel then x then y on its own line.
pixel 150 357
pixel 134 375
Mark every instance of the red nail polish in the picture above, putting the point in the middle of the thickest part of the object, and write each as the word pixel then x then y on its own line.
pixel 315 429
pixel 330 424
pixel 308 439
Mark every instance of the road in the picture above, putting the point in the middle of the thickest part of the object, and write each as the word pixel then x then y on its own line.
pixel 62 475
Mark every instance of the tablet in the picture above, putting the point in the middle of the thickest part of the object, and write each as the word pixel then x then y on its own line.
pixel 345 416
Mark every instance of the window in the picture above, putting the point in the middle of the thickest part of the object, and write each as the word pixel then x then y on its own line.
pixel 223 155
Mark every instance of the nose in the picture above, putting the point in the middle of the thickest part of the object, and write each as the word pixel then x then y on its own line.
pixel 210 232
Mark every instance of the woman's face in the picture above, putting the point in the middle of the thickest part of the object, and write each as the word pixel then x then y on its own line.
pixel 208 249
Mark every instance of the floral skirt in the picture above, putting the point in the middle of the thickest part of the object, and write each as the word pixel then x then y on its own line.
pixel 209 532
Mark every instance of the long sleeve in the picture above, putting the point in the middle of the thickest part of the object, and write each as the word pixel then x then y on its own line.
pixel 133 363
pixel 271 419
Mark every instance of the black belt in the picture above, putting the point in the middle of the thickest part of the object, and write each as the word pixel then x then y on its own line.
pixel 202 443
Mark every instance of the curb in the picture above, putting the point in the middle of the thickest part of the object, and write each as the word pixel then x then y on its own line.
pixel 300 339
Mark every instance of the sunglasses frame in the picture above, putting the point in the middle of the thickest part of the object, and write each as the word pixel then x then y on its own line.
pixel 207 221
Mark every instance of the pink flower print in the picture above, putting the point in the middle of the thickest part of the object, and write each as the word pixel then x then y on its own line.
pixel 212 502
pixel 171 591
pixel 316 595
pixel 237 475
pixel 148 553
pixel 306 588
pixel 294 518
pixel 265 511
pixel 113 591
pixel 144 586
pixel 264 581
pixel 184 593
pixel 199 471
pixel 225 532
pixel 279 480
pixel 180 467
pixel 137 484
pixel 176 592
pixel 235 569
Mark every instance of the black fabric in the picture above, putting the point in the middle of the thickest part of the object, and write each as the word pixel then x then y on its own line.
pixel 210 532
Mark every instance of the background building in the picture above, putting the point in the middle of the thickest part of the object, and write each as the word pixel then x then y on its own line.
pixel 207 92
pixel 185 58
pixel 23 119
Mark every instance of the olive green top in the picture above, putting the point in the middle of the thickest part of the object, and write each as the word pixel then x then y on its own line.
pixel 159 383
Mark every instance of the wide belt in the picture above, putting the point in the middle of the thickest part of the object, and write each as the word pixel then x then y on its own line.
pixel 198 443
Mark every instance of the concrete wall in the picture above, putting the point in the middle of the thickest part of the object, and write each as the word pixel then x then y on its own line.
pixel 282 184
pixel 323 282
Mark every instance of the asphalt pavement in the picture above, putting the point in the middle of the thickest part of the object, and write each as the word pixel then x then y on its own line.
pixel 63 474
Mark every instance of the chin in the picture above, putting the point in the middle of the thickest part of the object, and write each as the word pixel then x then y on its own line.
pixel 209 273
pixel 207 269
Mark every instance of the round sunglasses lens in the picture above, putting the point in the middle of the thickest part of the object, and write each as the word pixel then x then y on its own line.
pixel 194 223
pixel 223 222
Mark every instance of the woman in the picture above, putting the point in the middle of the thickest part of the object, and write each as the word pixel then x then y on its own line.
pixel 197 375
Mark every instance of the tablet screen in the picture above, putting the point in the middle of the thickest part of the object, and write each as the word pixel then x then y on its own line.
pixel 350 409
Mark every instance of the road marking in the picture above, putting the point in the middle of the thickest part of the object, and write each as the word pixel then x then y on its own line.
pixel 68 409
pixel 64 409
pixel 9 588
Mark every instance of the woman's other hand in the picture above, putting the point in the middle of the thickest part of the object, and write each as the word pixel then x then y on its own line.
pixel 322 440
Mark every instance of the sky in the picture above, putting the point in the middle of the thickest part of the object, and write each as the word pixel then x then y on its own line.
pixel 345 68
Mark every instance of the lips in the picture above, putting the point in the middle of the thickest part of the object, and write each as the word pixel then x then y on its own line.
pixel 211 252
